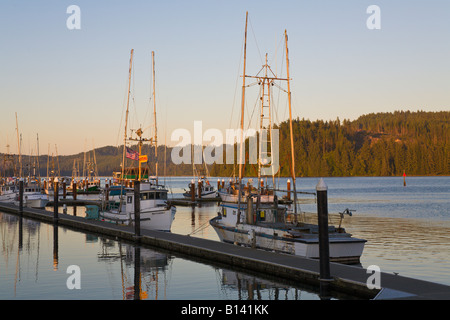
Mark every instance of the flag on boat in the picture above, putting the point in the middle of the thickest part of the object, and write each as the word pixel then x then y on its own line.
pixel 132 154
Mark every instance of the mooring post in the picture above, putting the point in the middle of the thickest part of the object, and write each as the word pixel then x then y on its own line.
pixel 192 186
pixel 74 190
pixel 21 196
pixel 289 189
pixel 64 189
pixel 55 200
pixel 199 184
pixel 324 246
pixel 137 210
pixel 107 193
pixel 74 195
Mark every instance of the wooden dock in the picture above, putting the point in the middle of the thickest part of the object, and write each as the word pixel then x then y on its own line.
pixel 187 202
pixel 346 279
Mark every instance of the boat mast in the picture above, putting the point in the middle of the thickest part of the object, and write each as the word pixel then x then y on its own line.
pixel 265 81
pixel 125 133
pixel 154 118
pixel 290 124
pixel 242 122
pixel 38 166
pixel 18 145
pixel 126 118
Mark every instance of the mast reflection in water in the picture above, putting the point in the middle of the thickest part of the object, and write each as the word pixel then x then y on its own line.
pixel 36 257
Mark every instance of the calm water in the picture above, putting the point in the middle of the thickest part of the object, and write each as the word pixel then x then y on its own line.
pixel 407 228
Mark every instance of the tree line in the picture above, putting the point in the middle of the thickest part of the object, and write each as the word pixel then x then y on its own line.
pixel 376 144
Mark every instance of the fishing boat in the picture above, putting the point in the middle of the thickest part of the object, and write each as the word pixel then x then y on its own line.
pixel 33 195
pixel 203 189
pixel 155 212
pixel 270 226
pixel 274 228
pixel 230 193
pixel 8 192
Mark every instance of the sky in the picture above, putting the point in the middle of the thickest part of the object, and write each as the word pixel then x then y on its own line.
pixel 69 86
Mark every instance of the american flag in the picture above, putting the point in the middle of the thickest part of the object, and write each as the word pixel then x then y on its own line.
pixel 132 154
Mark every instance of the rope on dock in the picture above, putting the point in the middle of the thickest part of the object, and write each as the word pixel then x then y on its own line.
pixel 203 226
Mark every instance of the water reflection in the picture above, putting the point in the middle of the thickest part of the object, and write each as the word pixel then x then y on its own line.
pixel 35 257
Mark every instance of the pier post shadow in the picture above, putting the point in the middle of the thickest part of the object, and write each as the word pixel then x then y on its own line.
pixel 20 232
pixel 137 273
pixel 55 246
pixel 324 246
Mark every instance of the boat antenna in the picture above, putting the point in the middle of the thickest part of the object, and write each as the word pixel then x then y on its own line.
pixel 154 118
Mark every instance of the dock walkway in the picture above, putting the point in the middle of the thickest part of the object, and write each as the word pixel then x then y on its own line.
pixel 346 279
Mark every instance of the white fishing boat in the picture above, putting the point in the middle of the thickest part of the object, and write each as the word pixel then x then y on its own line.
pixel 33 196
pixel 155 212
pixel 204 187
pixel 272 227
pixel 8 192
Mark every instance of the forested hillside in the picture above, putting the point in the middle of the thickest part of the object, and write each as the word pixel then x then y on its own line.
pixel 381 144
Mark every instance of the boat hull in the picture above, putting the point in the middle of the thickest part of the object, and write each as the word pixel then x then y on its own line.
pixel 346 250
pixel 159 218
pixel 206 195
pixel 34 201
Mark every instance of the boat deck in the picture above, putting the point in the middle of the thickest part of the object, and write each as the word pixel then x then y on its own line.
pixel 346 279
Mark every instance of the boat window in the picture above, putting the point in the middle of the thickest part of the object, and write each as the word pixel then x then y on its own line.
pixel 129 199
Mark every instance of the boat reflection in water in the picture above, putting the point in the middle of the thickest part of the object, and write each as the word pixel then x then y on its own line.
pixel 37 255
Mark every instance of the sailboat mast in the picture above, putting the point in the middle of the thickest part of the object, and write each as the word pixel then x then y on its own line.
pixel 290 123
pixel 243 100
pixel 126 117
pixel 242 122
pixel 38 167
pixel 18 146
pixel 154 118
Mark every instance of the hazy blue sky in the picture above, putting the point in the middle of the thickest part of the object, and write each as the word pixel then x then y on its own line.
pixel 69 86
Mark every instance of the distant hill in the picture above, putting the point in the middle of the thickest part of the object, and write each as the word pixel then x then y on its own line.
pixel 377 144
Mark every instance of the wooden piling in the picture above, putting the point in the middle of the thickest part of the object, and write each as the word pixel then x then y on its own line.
pixel 192 186
pixel 55 200
pixel 324 246
pixel 289 189
pixel 74 190
pixel 21 197
pixel 137 210
pixel 199 187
